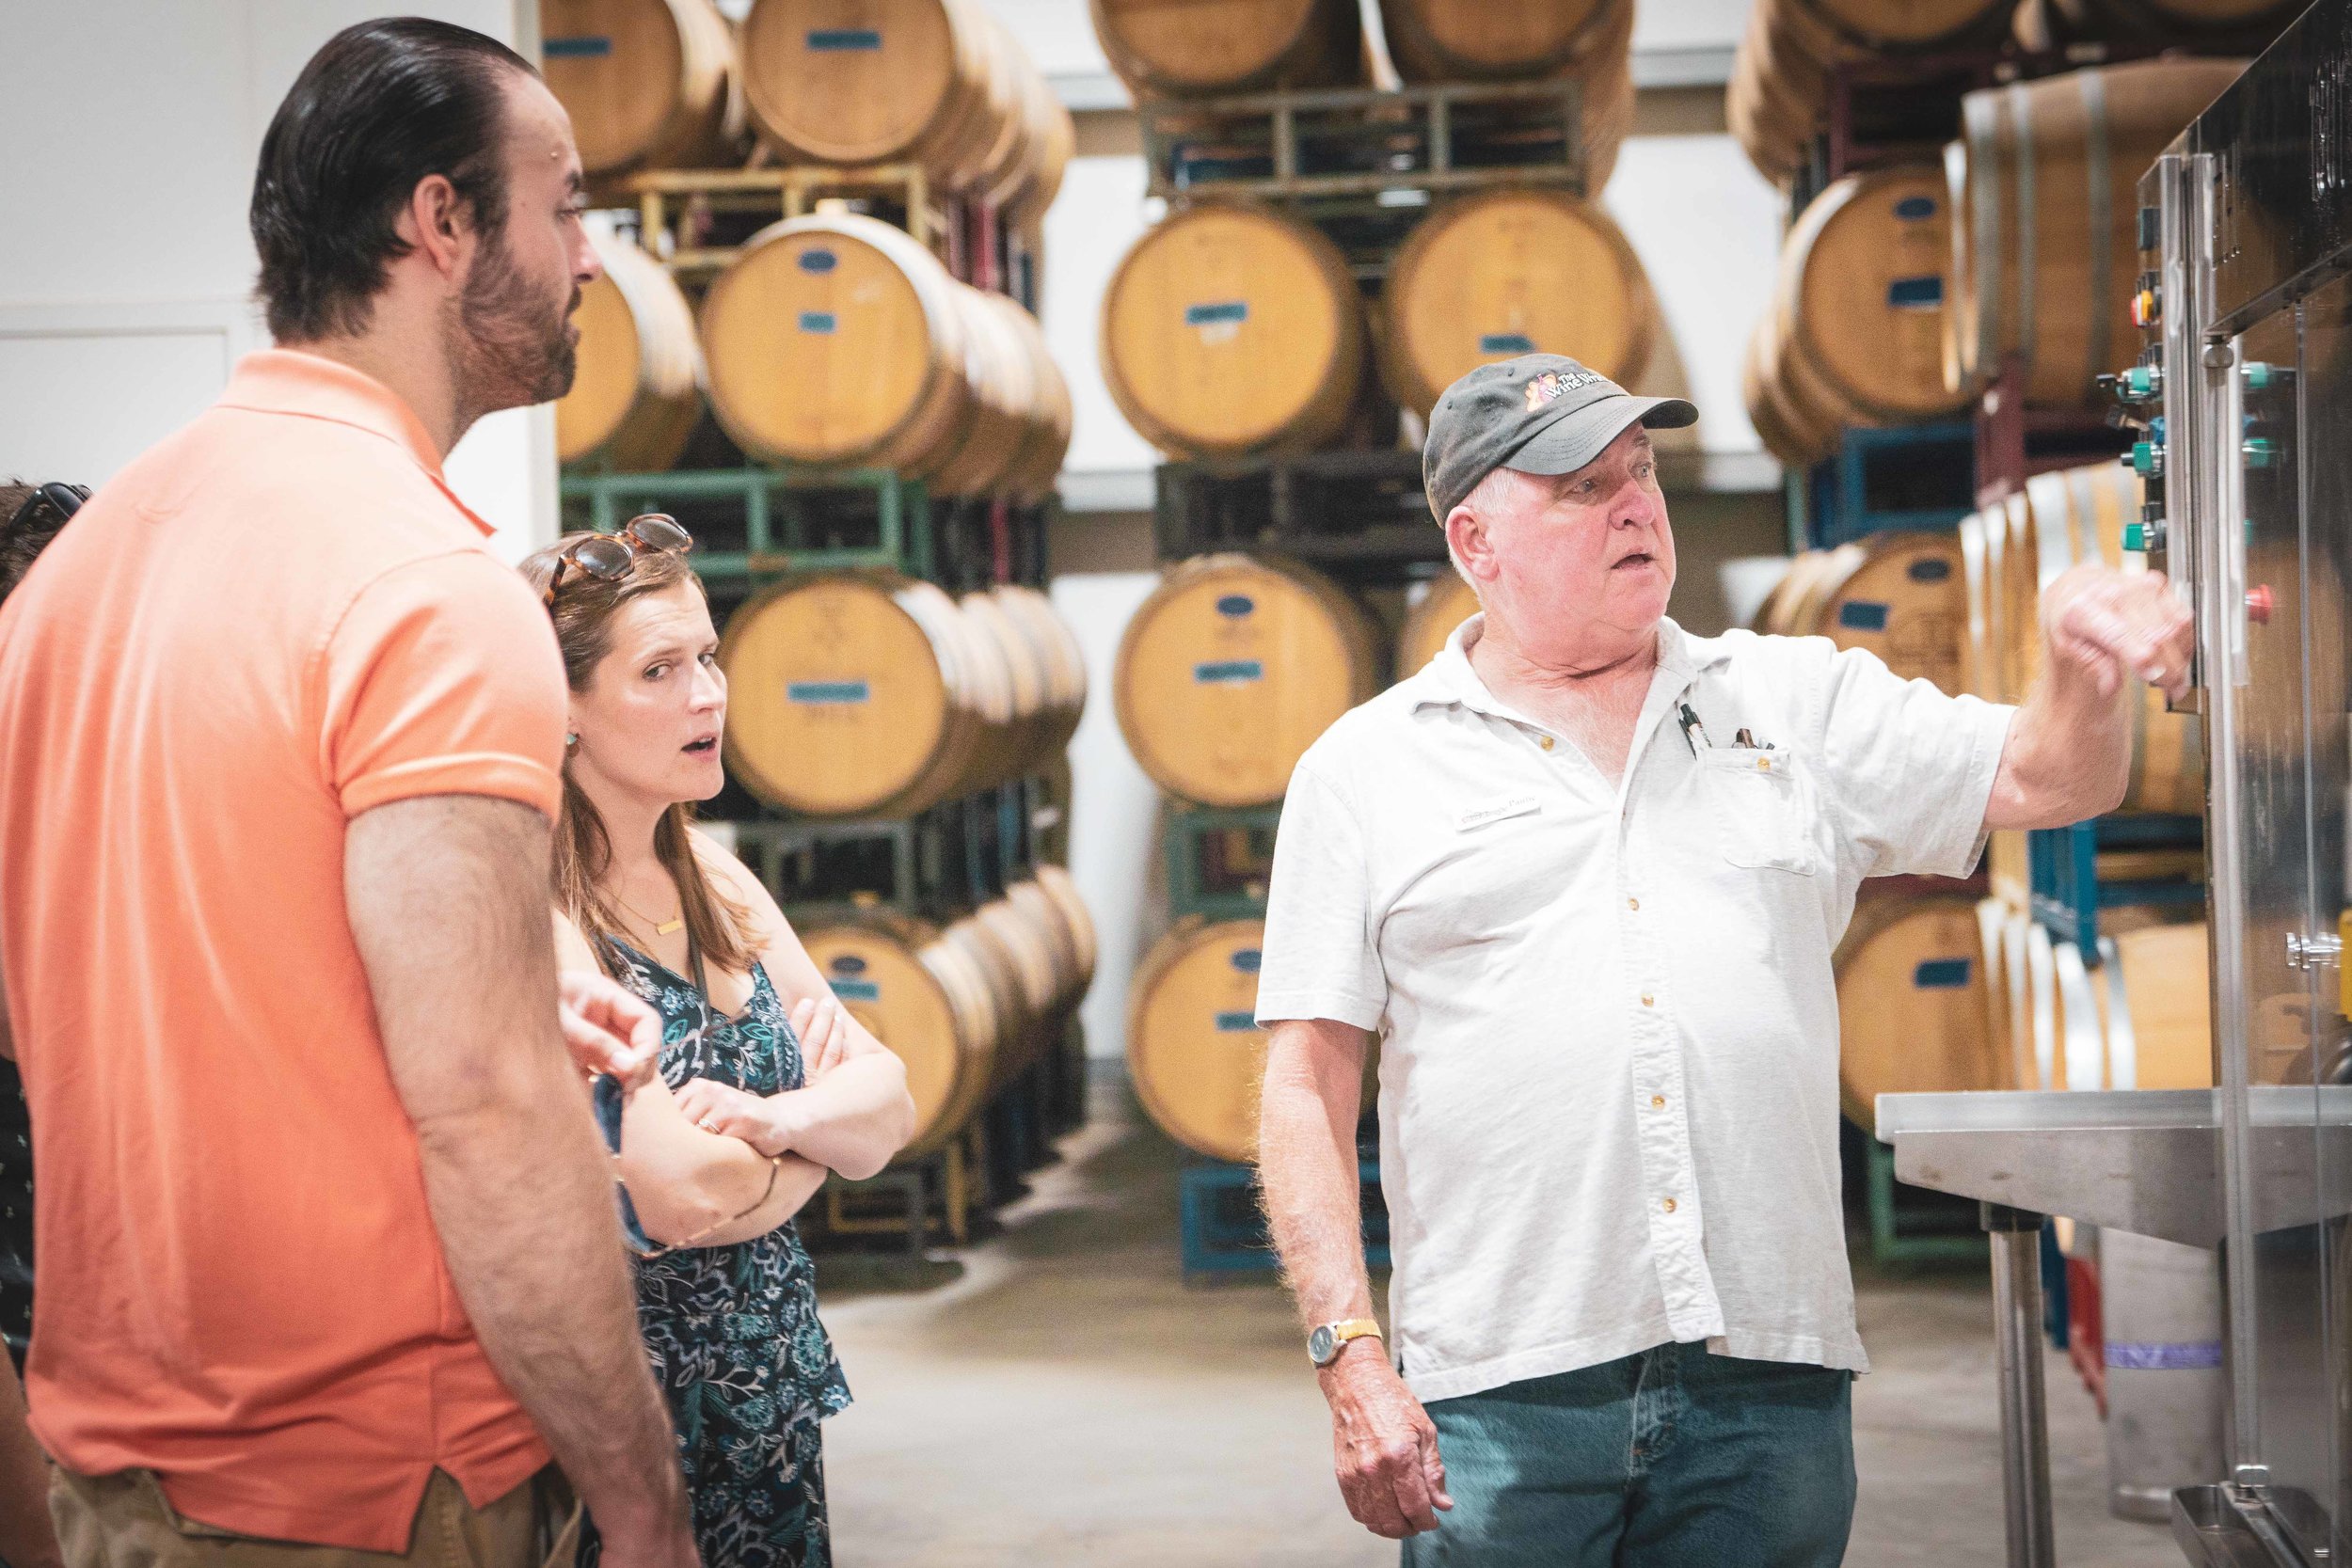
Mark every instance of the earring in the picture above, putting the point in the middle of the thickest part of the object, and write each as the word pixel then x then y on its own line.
pixel 571 740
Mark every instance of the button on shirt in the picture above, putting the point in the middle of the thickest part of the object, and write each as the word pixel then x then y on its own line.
pixel 1608 1027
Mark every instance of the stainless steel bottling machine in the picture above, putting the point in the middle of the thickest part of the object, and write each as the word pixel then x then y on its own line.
pixel 2244 391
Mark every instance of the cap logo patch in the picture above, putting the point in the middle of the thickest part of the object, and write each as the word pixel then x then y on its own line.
pixel 1553 384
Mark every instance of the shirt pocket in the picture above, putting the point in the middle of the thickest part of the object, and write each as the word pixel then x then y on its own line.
pixel 1759 802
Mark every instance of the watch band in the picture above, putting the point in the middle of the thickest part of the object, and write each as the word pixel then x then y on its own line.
pixel 1327 1339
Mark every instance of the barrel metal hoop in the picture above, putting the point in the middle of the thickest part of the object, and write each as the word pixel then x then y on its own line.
pixel 1982 132
pixel 2122 1045
pixel 2101 204
pixel 2028 258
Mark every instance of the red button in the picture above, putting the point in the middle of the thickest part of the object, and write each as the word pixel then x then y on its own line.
pixel 2257 604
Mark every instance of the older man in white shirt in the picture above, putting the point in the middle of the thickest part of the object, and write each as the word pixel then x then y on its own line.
pixel 1582 876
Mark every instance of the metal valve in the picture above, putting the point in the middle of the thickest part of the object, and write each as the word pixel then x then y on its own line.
pixel 2313 953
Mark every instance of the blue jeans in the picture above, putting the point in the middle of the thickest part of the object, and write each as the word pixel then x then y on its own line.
pixel 1670 1459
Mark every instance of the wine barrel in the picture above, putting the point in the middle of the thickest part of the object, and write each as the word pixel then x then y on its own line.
pixel 1589 41
pixel 1057 647
pixel 1791 428
pixel 1059 886
pixel 1780 75
pixel 1901 595
pixel 2167 989
pixel 648 84
pixel 639 387
pixel 983 946
pixel 2247 26
pixel 2062 519
pixel 1860 305
pixel 2043 185
pixel 1189 48
pixel 2138 1018
pixel 937 82
pixel 867 694
pixel 1195 1051
pixel 1230 329
pixel 1914 1010
pixel 1513 272
pixel 1432 620
pixel 836 339
pixel 890 978
pixel 1230 670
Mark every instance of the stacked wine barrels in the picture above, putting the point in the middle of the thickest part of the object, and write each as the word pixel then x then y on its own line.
pixel 2008 554
pixel 1193 48
pixel 638 389
pixel 1231 667
pixel 1233 330
pixel 1588 41
pixel 2044 251
pixel 2241 26
pixel 1431 620
pixel 1513 272
pixel 1901 595
pixel 837 340
pixel 1780 78
pixel 872 694
pixel 1195 1053
pixel 968 1007
pixel 648 84
pixel 1944 993
pixel 1859 323
pixel 937 82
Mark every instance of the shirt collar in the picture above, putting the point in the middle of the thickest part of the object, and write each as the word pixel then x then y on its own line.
pixel 309 386
pixel 1452 681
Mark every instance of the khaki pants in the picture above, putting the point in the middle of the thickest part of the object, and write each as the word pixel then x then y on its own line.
pixel 124 1521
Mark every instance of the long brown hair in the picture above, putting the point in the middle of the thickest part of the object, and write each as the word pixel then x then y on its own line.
pixel 721 929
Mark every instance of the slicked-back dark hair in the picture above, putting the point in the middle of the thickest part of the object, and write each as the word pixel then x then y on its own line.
pixel 381 106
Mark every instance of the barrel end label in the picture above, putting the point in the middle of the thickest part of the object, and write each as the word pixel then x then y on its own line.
pixel 1505 342
pixel 1228 672
pixel 1912 209
pixel 1236 1023
pixel 587 46
pixel 1234 605
pixel 817 260
pixel 844 40
pixel 821 322
pixel 1942 974
pixel 1863 615
pixel 855 990
pixel 1915 293
pixel 827 693
pixel 1934 569
pixel 1248 959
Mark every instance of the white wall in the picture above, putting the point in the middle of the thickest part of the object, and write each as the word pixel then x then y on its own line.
pixel 125 290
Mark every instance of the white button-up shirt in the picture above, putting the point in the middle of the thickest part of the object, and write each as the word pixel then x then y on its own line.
pixel 1608 1027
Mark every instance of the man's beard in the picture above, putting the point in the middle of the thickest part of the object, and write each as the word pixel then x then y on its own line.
pixel 510 345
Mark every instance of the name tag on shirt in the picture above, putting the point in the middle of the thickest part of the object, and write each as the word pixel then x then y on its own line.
pixel 1496 811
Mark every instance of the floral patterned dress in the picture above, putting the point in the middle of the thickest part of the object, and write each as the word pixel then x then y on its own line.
pixel 732 1331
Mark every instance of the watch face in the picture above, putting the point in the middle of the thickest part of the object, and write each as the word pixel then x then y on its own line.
pixel 1322 1343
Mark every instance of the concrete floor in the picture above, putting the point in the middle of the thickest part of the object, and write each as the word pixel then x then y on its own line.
pixel 1057 1396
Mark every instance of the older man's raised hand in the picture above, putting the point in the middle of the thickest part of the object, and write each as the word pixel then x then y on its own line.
pixel 2116 628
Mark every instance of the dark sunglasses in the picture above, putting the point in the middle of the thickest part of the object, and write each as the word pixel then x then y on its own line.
pixel 607 556
pixel 62 499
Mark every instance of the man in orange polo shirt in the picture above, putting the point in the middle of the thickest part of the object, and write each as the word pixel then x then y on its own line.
pixel 328 1254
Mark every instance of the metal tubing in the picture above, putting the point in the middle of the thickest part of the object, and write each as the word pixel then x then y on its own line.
pixel 2016 1237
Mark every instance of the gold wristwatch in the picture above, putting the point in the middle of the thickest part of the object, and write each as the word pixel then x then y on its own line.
pixel 1324 1344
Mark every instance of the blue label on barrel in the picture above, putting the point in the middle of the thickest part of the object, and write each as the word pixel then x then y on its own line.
pixel 836 41
pixel 1930 570
pixel 586 47
pixel 856 990
pixel 1229 672
pixel 1223 311
pixel 1506 343
pixel 1915 293
pixel 1861 615
pixel 1234 605
pixel 818 260
pixel 1248 959
pixel 1940 975
pixel 827 693
pixel 1911 209
pixel 2149 1355
pixel 817 320
pixel 848 963
pixel 1235 1023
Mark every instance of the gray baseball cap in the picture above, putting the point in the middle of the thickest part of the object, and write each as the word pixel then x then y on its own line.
pixel 1539 414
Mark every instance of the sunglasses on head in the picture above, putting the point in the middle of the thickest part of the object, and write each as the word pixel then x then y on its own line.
pixel 608 556
pixel 63 500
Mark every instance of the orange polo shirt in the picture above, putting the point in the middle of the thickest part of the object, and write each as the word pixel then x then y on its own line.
pixel 270 623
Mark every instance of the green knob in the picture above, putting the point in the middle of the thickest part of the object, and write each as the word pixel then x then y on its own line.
pixel 2140 382
pixel 2144 459
pixel 2135 536
pixel 2261 452
pixel 2260 377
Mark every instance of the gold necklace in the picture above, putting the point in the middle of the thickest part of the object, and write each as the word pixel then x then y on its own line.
pixel 660 928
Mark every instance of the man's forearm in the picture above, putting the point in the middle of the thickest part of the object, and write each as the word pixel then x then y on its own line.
pixel 2069 754
pixel 1307 1166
